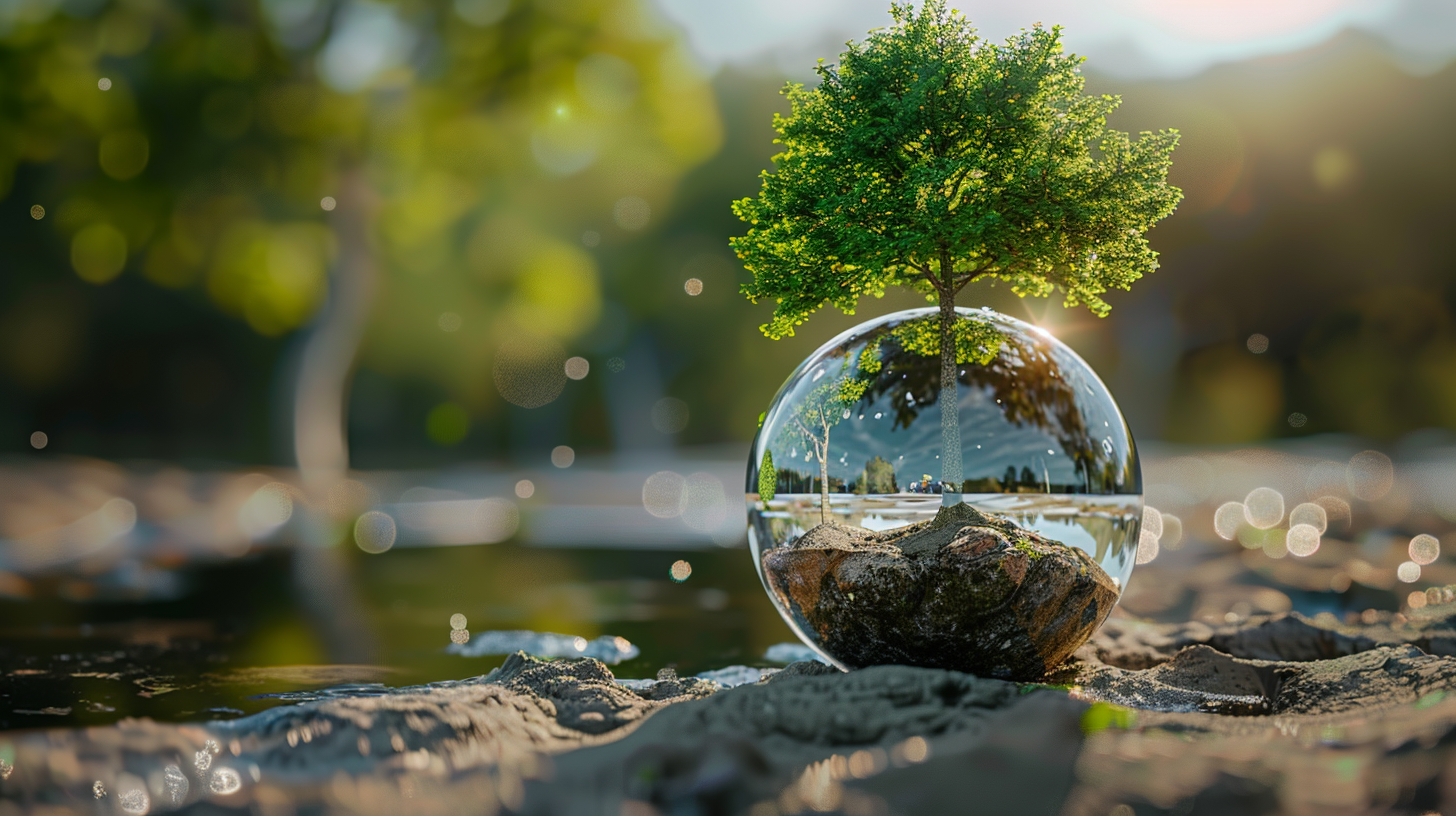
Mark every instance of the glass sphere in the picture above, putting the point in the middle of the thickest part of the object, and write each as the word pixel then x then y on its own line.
pixel 856 437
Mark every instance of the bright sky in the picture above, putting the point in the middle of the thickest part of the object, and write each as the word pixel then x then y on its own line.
pixel 1130 37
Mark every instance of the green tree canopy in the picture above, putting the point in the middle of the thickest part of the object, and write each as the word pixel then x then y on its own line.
pixel 931 158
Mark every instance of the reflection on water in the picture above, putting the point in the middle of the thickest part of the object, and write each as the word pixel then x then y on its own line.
pixel 610 649
pixel 241 643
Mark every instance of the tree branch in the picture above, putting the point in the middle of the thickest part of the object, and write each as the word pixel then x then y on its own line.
pixel 929 277
pixel 808 434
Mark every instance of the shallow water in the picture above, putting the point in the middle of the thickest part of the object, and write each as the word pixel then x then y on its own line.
pixel 233 628
pixel 250 637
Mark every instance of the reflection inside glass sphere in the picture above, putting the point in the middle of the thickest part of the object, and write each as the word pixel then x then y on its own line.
pixel 857 438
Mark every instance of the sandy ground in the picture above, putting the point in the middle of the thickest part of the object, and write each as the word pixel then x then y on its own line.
pixel 1274 714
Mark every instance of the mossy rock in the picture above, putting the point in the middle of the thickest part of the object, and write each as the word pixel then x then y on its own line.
pixel 966 591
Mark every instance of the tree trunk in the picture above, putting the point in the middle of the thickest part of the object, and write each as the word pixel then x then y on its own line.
pixel 951 475
pixel 322 575
pixel 824 482
pixel 320 443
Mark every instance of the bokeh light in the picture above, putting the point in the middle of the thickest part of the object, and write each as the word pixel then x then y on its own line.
pixel 1147 547
pixel 1370 475
pixel 911 751
pixel 1424 549
pixel 1172 537
pixel 269 508
pixel 460 636
pixel 1227 520
pixel 1298 420
pixel 1310 514
pixel 98 253
pixel 525 489
pixel 124 154
pixel 225 781
pixel 577 368
pixel 104 83
pixel 37 212
pixel 1408 572
pixel 1336 510
pixel 530 372
pixel 1303 540
pixel 1416 600
pixel 562 456
pixel 1257 343
pixel 693 287
pixel 1275 543
pixel 448 322
pixel 39 440
pixel 458 621
pixel 631 213
pixel 1264 507
pixel 670 415
pixel 704 502
pixel 328 203
pixel 134 801
pixel 1152 522
pixel 616 365
pixel 680 571
pixel 375 531
pixel 662 494
pixel 497 519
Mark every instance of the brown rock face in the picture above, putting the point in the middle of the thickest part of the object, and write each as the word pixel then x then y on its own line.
pixel 965 591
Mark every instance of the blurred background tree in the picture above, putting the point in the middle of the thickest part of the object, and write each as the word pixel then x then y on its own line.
pixel 417 184
pixel 516 183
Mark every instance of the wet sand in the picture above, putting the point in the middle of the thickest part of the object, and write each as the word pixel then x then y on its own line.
pixel 1272 714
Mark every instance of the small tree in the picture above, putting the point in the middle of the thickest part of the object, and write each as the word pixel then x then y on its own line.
pixel 880 476
pixel 768 478
pixel 930 159
pixel 814 415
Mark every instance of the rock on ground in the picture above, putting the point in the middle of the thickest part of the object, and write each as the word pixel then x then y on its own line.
pixel 965 591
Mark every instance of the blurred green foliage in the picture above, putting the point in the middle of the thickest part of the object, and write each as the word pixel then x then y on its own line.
pixel 209 147
pixel 1317 206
